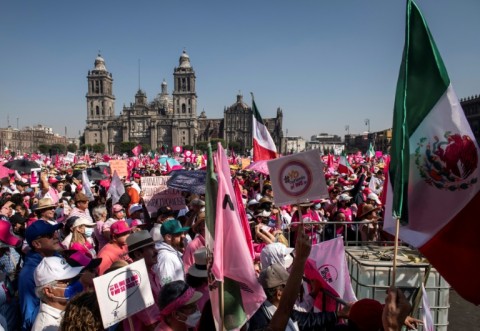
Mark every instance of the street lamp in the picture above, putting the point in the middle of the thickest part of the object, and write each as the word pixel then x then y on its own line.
pixel 367 123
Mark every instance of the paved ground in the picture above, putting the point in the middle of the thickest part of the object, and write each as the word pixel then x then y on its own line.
pixel 463 315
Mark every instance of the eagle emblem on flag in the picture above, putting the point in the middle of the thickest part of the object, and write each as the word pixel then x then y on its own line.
pixel 447 163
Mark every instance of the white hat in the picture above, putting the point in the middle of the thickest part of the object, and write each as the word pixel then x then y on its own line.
pixel 344 197
pixel 263 213
pixel 374 197
pixel 252 202
pixel 134 208
pixel 54 268
pixel 276 253
pixel 82 221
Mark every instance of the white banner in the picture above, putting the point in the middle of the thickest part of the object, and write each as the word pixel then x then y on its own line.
pixel 298 178
pixel 157 194
pixel 123 292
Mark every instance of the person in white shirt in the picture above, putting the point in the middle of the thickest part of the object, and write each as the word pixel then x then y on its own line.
pixel 169 265
pixel 54 286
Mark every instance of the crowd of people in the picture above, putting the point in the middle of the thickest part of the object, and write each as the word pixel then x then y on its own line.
pixel 55 239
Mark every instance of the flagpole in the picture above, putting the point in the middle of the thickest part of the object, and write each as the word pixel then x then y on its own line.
pixel 221 298
pixel 395 251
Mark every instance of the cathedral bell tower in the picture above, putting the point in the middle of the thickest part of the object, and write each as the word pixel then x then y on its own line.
pixel 100 103
pixel 184 95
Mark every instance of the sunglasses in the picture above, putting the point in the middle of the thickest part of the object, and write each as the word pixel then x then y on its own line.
pixel 121 210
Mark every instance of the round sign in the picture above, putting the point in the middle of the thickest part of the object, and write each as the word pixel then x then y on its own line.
pixel 188 153
pixel 295 178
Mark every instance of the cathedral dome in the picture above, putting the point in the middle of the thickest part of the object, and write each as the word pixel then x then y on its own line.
pixel 184 60
pixel 100 63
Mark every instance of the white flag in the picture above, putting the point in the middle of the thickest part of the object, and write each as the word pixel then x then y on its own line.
pixel 426 313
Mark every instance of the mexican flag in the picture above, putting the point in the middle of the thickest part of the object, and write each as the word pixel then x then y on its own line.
pixel 433 185
pixel 263 145
pixel 229 259
pixel 370 152
pixel 344 166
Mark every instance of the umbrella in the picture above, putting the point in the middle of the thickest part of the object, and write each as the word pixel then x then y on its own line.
pixel 4 172
pixel 259 166
pixel 171 161
pixel 186 180
pixel 93 174
pixel 21 165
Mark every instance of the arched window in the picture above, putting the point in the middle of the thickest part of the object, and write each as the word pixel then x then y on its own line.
pixel 184 108
pixel 97 110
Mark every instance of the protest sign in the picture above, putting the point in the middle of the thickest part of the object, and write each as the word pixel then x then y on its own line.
pixel 298 178
pixel 157 194
pixel 35 177
pixel 70 157
pixel 245 162
pixel 120 166
pixel 123 292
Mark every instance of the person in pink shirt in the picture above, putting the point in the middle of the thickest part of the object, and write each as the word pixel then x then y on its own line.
pixel 117 248
pixel 141 246
pixel 82 228
pixel 196 243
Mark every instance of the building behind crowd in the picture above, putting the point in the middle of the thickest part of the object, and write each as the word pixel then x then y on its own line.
pixel 167 120
pixel 471 107
pixel 28 139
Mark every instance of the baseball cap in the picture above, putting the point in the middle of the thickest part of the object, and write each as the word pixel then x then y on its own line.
pixel 252 202
pixel 54 268
pixel 276 253
pixel 82 221
pixel 137 176
pixel 134 208
pixel 173 227
pixel 344 197
pixel 366 314
pixel 120 227
pixel 80 259
pixel 273 276
pixel 40 228
pixel 7 238
pixel 117 207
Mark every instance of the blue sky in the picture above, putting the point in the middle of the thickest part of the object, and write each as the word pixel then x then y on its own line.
pixel 327 64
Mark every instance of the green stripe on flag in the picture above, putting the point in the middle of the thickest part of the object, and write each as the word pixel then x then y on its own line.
pixel 211 189
pixel 422 80
pixel 256 113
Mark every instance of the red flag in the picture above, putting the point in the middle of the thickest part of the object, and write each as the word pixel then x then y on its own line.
pixel 137 150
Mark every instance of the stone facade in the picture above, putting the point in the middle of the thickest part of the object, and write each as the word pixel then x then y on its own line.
pixel 471 108
pixel 28 139
pixel 167 120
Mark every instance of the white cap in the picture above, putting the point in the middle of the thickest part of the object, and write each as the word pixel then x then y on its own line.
pixel 54 268
pixel 134 208
pixel 252 202
pixel 83 221
pixel 374 197
pixel 344 197
pixel 263 213
pixel 276 253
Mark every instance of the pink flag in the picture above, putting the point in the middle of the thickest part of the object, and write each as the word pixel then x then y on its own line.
pixel 232 261
pixel 329 257
pixel 137 150
pixel 243 217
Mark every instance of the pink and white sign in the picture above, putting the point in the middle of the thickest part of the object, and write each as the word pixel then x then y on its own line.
pixel 123 292
pixel 298 178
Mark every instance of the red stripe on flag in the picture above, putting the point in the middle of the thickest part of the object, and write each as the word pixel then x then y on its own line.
pixel 455 250
pixel 261 153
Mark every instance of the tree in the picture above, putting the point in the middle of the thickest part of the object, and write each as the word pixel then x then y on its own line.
pixel 201 146
pixel 145 148
pixel 188 147
pixel 236 146
pixel 44 148
pixel 72 148
pixel 127 146
pixel 215 142
pixel 84 147
pixel 98 148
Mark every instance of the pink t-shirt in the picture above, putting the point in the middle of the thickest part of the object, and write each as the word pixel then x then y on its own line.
pixel 111 253
pixel 188 259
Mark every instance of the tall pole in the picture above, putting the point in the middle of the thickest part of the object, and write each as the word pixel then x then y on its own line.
pixel 367 123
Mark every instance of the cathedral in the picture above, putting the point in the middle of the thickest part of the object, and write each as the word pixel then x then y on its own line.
pixel 167 120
